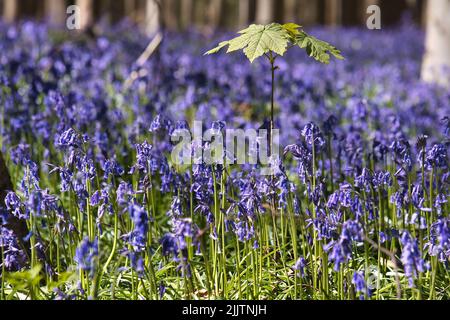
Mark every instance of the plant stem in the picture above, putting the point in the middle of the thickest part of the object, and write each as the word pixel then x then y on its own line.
pixel 272 100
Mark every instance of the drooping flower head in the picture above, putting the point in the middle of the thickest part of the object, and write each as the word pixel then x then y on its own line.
pixel 86 255
pixel 411 257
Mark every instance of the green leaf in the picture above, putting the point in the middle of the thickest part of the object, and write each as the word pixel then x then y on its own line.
pixel 22 280
pixel 292 28
pixel 218 48
pixel 256 40
pixel 317 49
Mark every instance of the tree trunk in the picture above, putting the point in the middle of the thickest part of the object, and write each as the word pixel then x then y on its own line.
pixel 117 10
pixel 130 9
pixel 10 10
pixel 55 12
pixel 19 227
pixel 333 12
pixel 352 13
pixel 392 11
pixel 243 15
pixel 168 10
pixel 307 11
pixel 86 13
pixel 436 64
pixel 214 10
pixel 152 17
pixel 186 13
pixel 264 11
pixel 290 11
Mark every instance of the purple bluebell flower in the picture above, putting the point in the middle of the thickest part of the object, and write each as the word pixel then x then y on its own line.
pixel 417 196
pixel 383 237
pixel 138 237
pixel 112 167
pixel 124 194
pixel 360 284
pixel 86 255
pixel 436 157
pixel 176 209
pixel 70 138
pixel 161 122
pixel 20 155
pixel 14 256
pixel 300 266
pixel 341 250
pixel 439 244
pixel 329 125
pixel 364 180
pixel 446 126
pixel 313 135
pixel 169 245
pixel 411 257
pixel 15 205
pixel 162 290
pixel 401 153
pixel 143 156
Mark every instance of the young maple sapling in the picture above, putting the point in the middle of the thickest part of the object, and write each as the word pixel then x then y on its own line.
pixel 272 41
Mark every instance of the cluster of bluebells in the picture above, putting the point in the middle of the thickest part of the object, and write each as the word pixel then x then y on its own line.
pixel 81 144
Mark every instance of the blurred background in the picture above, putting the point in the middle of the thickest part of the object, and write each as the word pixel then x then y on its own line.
pixel 223 14
pixel 208 16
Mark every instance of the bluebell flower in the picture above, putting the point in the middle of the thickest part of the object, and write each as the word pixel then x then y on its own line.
pixel 313 135
pixel 364 180
pixel 15 205
pixel 383 237
pixel 411 257
pixel 341 250
pixel 439 244
pixel 124 194
pixel 436 157
pixel 112 167
pixel 417 196
pixel 143 156
pixel 20 155
pixel 446 125
pixel 70 138
pixel 401 153
pixel 169 245
pixel 138 237
pixel 176 209
pixel 300 266
pixel 86 255
pixel 14 256
pixel 162 290
pixel 360 284
pixel 159 123
pixel 329 125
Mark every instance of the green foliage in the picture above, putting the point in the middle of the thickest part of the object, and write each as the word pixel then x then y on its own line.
pixel 317 49
pixel 274 38
pixel 24 280
pixel 257 40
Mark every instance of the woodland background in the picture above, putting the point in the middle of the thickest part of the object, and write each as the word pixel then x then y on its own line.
pixel 225 14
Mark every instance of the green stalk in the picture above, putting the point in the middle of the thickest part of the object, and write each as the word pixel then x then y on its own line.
pixel 3 297
pixel 238 268
pixel 113 250
pixel 222 233
pixel 272 100
pixel 434 265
